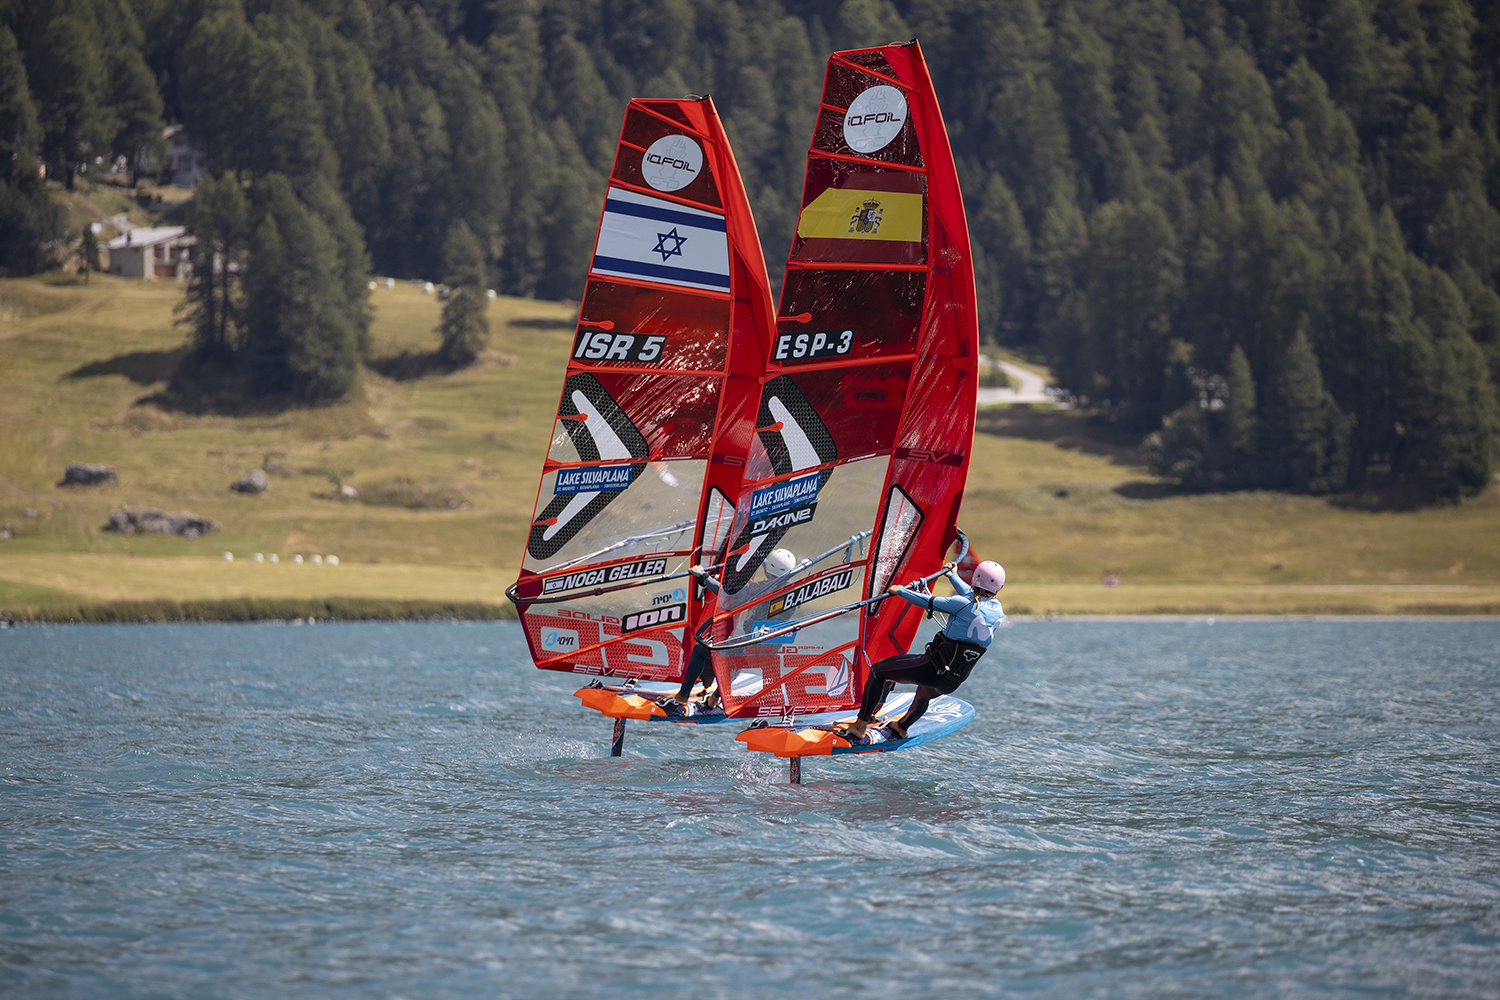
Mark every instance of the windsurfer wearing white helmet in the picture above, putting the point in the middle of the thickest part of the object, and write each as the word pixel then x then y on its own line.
pixel 700 665
pixel 973 613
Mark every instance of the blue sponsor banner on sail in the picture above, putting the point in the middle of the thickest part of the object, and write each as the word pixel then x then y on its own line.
pixel 651 239
pixel 595 479
pixel 778 497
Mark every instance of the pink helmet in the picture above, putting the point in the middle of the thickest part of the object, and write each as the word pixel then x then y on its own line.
pixel 989 576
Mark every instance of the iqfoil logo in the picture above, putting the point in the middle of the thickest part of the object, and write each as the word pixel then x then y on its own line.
pixel 593 480
pixel 874 118
pixel 779 497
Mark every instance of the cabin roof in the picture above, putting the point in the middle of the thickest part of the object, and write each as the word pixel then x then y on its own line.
pixel 147 237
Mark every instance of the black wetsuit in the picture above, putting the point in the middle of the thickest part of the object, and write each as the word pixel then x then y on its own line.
pixel 912 668
pixel 700 665
pixel 948 659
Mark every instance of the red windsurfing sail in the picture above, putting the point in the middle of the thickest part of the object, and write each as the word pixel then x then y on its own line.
pixel 866 413
pixel 657 406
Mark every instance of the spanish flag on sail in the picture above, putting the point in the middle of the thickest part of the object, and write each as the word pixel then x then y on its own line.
pixel 867 217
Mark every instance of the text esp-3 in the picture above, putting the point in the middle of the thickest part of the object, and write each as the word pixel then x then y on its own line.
pixel 812 345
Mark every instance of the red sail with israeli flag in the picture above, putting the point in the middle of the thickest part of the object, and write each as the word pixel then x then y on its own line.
pixel 657 407
pixel 866 413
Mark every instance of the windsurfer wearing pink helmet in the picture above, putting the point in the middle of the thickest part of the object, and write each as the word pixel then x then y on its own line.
pixel 973 613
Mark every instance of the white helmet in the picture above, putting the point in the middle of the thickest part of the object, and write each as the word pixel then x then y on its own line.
pixel 989 576
pixel 779 563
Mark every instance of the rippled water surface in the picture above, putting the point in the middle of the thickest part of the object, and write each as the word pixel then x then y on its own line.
pixel 1140 809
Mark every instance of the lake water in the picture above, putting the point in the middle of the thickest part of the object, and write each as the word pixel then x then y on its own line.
pixel 1140 809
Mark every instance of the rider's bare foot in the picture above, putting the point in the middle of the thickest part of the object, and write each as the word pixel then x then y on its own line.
pixel 896 729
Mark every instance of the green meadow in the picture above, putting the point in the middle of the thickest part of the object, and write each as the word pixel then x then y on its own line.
pixel 444 465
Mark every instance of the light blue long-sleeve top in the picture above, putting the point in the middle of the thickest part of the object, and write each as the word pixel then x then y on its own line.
pixel 968 620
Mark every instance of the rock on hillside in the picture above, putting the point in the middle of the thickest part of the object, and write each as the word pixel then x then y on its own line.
pixel 254 481
pixel 86 474
pixel 128 520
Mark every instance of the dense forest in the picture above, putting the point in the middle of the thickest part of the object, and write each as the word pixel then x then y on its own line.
pixel 1262 233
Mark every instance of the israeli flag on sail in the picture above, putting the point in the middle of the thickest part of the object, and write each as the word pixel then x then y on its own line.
pixel 650 239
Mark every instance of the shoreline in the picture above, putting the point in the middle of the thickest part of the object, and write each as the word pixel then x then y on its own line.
pixel 156 612
pixel 255 610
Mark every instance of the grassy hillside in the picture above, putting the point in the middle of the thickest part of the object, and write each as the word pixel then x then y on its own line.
pixel 445 466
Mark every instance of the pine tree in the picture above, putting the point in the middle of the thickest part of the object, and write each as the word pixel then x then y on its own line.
pixel 299 337
pixel 1181 450
pixel 1134 278
pixel 1004 244
pixel 1445 402
pixel 218 218
pixel 1241 425
pixel 1309 435
pixel 30 220
pixel 76 125
pixel 137 107
pixel 464 329
pixel 19 131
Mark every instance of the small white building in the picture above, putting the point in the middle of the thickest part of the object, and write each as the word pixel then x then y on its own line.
pixel 151 254
pixel 184 163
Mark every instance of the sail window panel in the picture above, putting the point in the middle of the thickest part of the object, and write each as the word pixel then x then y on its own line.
pixel 666 157
pixel 873 59
pixel 883 308
pixel 794 672
pixel 673 413
pixel 817 529
pixel 843 84
pixel 902 519
pixel 651 656
pixel 650 328
pixel 718 519
pixel 652 650
pixel 555 634
pixel 758 462
pixel 861 406
pixel 806 676
pixel 655 514
pixel 670 109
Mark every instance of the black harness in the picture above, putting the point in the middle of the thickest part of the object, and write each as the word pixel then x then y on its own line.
pixel 953 659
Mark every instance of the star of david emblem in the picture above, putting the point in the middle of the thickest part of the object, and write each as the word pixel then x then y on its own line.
pixel 661 244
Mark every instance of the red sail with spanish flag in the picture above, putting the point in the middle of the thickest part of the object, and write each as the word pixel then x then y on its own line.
pixel 657 407
pixel 866 412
